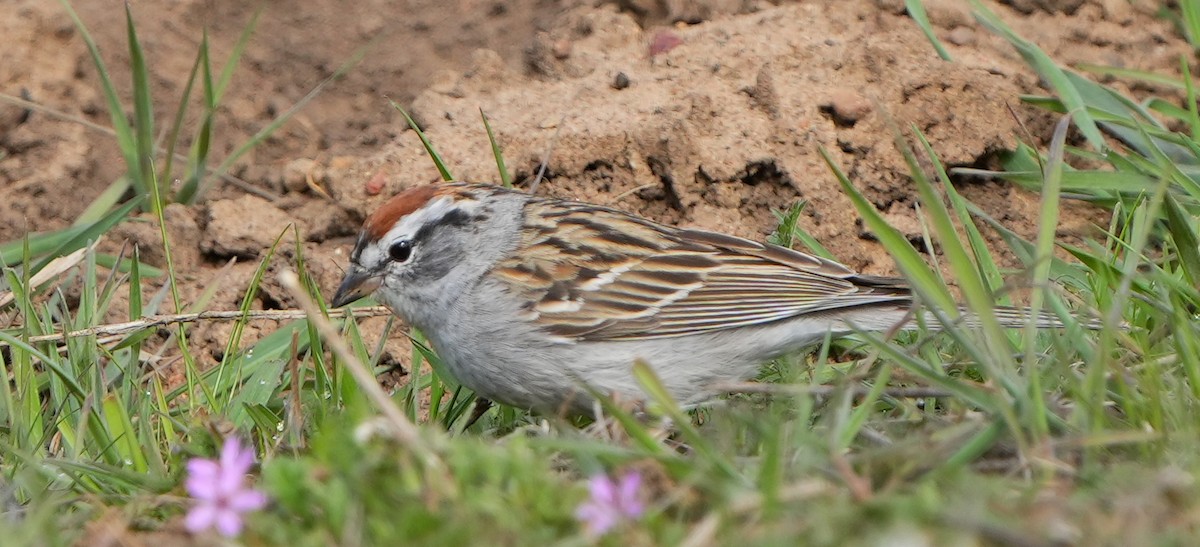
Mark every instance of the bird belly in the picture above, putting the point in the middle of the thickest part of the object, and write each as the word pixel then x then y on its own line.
pixel 526 371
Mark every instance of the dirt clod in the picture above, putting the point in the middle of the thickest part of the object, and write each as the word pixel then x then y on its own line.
pixel 847 106
pixel 243 227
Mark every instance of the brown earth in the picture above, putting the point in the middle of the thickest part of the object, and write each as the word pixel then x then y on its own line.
pixel 700 113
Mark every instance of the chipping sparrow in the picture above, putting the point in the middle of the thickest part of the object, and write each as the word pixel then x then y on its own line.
pixel 528 298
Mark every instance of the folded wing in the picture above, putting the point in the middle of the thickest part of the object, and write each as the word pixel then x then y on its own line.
pixel 593 273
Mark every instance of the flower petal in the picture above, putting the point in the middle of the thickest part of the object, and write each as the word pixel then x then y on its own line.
pixel 203 468
pixel 200 518
pixel 602 489
pixel 235 458
pixel 597 518
pixel 247 500
pixel 229 523
pixel 201 482
pixel 628 502
pixel 230 451
pixel 229 483
pixel 201 489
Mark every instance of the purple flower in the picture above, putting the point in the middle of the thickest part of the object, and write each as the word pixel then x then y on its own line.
pixel 612 502
pixel 220 490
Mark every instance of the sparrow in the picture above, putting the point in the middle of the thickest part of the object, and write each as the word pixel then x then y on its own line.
pixel 536 302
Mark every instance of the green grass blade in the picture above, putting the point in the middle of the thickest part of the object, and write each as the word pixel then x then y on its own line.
pixel 998 361
pixel 124 133
pixel 263 369
pixel 1182 228
pixel 1125 182
pixel 974 448
pixel 505 178
pixel 80 239
pixel 1190 11
pixel 38 244
pixel 124 265
pixel 988 270
pixel 181 110
pixel 1106 104
pixel 234 364
pixel 637 431
pixel 143 107
pixel 193 186
pixel 104 202
pixel 658 393
pixel 927 283
pixel 1044 252
pixel 123 433
pixel 235 55
pixel 1193 117
pixel 864 410
pixel 1132 74
pixel 433 154
pixel 1187 344
pixel 978 396
pixel 68 379
pixel 263 418
pixel 198 154
pixel 916 10
pixel 788 232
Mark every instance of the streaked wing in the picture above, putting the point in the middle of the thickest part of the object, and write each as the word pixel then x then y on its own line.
pixel 593 273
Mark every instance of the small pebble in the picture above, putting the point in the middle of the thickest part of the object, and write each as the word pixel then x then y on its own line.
pixel 961 36
pixel 562 49
pixel 620 81
pixel 376 184
pixel 848 106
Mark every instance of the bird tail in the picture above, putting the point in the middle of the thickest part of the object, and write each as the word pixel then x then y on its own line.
pixel 1018 318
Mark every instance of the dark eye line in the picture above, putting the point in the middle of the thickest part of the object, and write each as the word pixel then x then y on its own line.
pixel 456 217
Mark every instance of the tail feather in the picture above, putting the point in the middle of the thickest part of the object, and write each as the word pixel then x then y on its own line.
pixel 1018 318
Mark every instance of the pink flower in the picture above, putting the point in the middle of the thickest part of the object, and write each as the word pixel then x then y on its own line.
pixel 612 502
pixel 220 490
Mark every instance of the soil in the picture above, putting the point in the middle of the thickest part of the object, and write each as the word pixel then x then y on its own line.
pixel 704 113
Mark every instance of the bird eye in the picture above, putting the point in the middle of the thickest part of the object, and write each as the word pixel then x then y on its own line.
pixel 400 250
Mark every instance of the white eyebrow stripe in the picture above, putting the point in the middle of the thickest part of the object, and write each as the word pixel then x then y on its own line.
pixel 409 225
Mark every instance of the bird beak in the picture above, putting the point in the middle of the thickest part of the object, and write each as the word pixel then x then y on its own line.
pixel 357 284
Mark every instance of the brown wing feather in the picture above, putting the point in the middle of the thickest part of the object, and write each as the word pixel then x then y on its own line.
pixel 593 273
